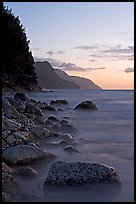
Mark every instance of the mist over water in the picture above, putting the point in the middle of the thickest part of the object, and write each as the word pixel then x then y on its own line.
pixel 105 136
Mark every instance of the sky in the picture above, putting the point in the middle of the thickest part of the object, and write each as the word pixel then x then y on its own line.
pixel 94 40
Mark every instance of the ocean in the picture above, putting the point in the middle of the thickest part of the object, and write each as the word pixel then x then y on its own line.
pixel 105 136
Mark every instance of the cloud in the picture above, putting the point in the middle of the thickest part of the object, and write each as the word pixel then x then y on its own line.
pixel 97 56
pixel 116 53
pixel 129 69
pixel 72 67
pixel 119 50
pixel 92 60
pixel 60 52
pixel 86 47
pixel 66 66
pixel 50 53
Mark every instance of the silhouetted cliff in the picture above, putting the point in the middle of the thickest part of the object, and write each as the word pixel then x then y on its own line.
pixel 48 79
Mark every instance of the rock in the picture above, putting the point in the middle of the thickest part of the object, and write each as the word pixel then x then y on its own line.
pixel 70 149
pixel 22 154
pixel 48 108
pixel 30 108
pixel 9 110
pixel 67 127
pixel 10 139
pixel 7 169
pixel 18 104
pixel 64 127
pixel 87 105
pixel 40 131
pixel 20 135
pixel 61 173
pixel 11 125
pixel 68 137
pixel 21 96
pixel 52 120
pixel 5 133
pixel 26 171
pixel 59 102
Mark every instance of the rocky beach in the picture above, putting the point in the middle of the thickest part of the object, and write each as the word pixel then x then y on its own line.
pixel 26 128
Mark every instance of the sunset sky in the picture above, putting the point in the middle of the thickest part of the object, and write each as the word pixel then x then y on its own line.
pixel 94 40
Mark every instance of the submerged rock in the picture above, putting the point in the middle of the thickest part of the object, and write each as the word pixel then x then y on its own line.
pixel 61 173
pixel 88 105
pixel 21 154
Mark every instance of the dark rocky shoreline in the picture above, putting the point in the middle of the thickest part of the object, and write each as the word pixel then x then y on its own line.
pixel 24 127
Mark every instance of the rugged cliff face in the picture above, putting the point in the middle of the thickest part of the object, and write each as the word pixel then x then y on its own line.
pixel 48 79
pixel 83 83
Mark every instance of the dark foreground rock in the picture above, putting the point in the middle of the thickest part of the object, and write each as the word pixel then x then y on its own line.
pixel 87 105
pixel 62 173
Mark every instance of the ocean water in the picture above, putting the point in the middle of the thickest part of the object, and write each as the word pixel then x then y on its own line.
pixel 105 136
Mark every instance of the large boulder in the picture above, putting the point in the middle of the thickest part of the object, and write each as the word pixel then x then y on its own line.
pixel 61 173
pixel 87 105
pixel 22 154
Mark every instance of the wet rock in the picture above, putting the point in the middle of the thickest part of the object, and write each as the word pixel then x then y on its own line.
pixel 26 171
pixel 70 149
pixel 5 133
pixel 64 127
pixel 67 127
pixel 40 131
pixel 21 96
pixel 68 138
pixel 10 124
pixel 87 105
pixel 52 120
pixel 30 108
pixel 7 169
pixel 42 106
pixel 22 154
pixel 48 108
pixel 59 102
pixel 20 135
pixel 60 109
pixel 18 104
pixel 8 110
pixel 61 173
pixel 10 140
